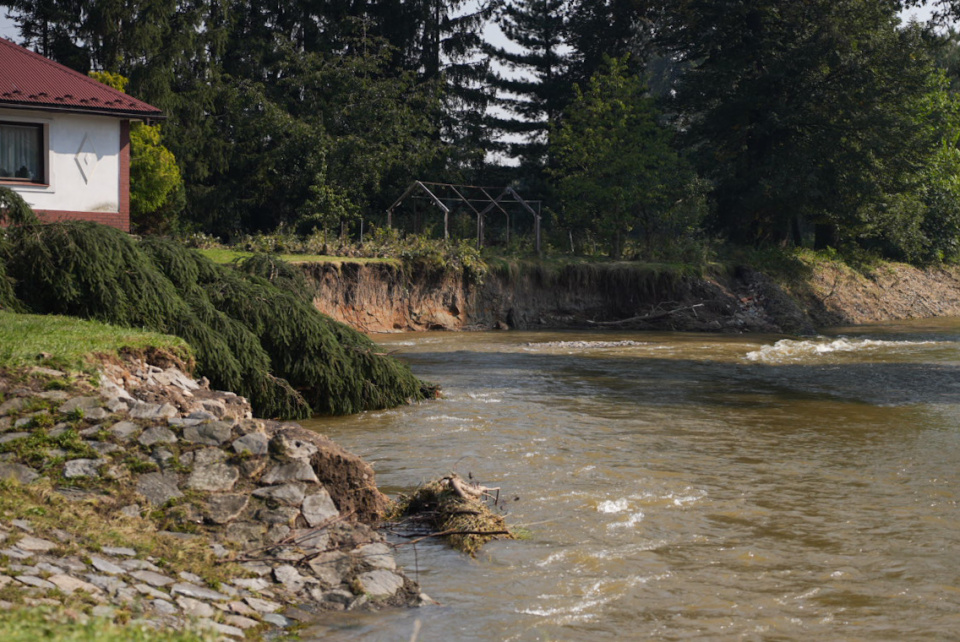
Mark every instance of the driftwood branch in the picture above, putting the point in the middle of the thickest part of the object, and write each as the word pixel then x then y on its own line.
pixel 467 491
pixel 291 540
pixel 449 533
pixel 648 317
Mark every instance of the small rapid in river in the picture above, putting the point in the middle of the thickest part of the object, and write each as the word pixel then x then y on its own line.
pixel 683 486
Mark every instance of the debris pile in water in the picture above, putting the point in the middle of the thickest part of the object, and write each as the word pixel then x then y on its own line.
pixel 456 511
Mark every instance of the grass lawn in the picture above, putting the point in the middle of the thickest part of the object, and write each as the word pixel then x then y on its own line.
pixel 229 256
pixel 32 625
pixel 69 340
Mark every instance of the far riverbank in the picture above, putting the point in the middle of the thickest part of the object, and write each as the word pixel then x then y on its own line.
pixel 816 294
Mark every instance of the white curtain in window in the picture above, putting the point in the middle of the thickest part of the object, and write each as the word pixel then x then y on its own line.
pixel 20 152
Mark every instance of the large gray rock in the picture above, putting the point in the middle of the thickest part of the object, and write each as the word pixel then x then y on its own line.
pixel 82 468
pixel 208 434
pixel 289 577
pixel 197 592
pixel 298 470
pixel 79 403
pixel 215 407
pixel 195 608
pixel 262 606
pixel 378 556
pixel 106 566
pixel 282 515
pixel 253 443
pixel 159 488
pixel 142 410
pixel 285 445
pixel 124 430
pixel 244 532
pixel 157 435
pixel 22 474
pixel 36 582
pixel 103 447
pixel 223 509
pixel 109 584
pixel 290 494
pixel 12 405
pixel 211 473
pixel 151 578
pixel 318 508
pixel 331 567
pixel 35 544
pixel 69 584
pixel 381 584
pixel 96 414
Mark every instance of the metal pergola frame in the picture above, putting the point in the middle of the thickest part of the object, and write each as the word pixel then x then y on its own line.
pixel 443 195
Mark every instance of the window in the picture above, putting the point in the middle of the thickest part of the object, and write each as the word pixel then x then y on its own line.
pixel 22 153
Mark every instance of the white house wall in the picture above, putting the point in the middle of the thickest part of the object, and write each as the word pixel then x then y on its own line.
pixel 83 162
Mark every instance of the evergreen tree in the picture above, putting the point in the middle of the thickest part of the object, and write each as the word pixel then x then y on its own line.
pixel 802 112
pixel 601 29
pixel 616 171
pixel 533 85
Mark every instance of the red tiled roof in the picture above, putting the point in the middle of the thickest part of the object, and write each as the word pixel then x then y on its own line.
pixel 28 80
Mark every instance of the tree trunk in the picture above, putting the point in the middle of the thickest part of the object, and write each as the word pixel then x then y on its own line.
pixel 825 235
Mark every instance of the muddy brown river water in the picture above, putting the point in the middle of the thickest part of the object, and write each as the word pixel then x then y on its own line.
pixel 683 486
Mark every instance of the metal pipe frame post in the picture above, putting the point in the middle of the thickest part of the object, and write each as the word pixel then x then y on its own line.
pixel 536 215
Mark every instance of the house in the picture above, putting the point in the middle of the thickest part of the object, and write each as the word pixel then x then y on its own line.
pixel 65 139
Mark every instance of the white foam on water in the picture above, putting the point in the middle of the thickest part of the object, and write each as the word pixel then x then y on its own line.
pixel 686 499
pixel 590 606
pixel 631 521
pixel 484 397
pixel 632 549
pixel 613 506
pixel 787 350
pixel 559 556
pixel 586 345
pixel 444 418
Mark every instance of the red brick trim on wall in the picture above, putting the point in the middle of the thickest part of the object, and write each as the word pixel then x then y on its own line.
pixel 125 171
pixel 113 219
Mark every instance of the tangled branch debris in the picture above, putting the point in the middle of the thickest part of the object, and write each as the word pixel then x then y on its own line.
pixel 454 510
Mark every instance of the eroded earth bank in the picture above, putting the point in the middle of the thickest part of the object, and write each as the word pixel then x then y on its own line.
pixel 385 298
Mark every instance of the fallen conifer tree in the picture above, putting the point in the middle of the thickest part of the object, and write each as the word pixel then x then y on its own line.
pixel 249 335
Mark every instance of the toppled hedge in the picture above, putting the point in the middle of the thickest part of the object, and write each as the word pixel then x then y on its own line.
pixel 249 335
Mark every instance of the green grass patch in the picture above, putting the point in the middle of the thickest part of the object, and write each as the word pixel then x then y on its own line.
pixel 68 625
pixel 70 341
pixel 225 256
pixel 96 522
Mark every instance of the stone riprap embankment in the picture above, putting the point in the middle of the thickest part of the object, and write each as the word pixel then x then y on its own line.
pixel 283 515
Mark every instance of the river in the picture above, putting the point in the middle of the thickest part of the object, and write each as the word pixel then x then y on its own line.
pixel 680 486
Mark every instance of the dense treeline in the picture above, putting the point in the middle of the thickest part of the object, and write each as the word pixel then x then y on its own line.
pixel 646 126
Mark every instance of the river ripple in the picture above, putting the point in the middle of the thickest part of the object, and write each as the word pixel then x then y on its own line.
pixel 683 486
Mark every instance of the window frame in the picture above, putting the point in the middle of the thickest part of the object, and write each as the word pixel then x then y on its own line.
pixel 42 153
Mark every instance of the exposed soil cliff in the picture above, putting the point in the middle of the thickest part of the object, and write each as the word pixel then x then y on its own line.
pixel 384 298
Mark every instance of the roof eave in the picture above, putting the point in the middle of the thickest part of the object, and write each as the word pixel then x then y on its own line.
pixel 74 109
